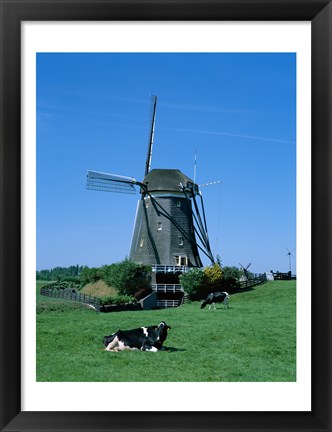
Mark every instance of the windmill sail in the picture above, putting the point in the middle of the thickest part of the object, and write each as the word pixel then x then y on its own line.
pixel 151 134
pixel 110 182
pixel 246 273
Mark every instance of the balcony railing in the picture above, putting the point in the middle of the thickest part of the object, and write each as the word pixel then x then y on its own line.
pixel 167 303
pixel 158 268
pixel 167 288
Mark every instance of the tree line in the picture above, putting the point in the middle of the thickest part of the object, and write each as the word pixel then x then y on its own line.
pixel 59 273
pixel 129 277
pixel 126 276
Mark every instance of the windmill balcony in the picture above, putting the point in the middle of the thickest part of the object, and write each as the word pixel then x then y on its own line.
pixel 167 288
pixel 161 304
pixel 158 268
pixel 166 285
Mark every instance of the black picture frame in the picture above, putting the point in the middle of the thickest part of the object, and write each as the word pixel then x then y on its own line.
pixel 319 12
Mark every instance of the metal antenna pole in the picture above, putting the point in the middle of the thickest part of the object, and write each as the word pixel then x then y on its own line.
pixel 195 166
pixel 289 257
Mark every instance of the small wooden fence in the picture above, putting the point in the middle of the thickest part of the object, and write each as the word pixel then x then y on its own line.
pixel 248 284
pixel 254 281
pixel 70 294
pixel 52 290
pixel 282 276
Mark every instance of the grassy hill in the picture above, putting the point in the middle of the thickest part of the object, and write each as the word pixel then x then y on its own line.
pixel 254 340
pixel 99 289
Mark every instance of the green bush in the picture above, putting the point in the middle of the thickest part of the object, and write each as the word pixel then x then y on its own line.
pixel 127 276
pixel 198 283
pixel 231 273
pixel 231 276
pixel 193 283
pixel 117 300
pixel 71 279
pixel 89 275
pixel 65 284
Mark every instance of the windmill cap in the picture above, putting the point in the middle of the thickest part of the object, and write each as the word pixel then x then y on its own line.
pixel 166 180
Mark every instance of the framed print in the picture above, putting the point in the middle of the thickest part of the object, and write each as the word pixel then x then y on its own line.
pixel 53 40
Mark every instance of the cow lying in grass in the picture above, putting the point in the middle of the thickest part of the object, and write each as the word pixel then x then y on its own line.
pixel 216 297
pixel 142 338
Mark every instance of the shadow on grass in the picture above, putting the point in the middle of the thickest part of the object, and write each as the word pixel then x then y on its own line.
pixel 172 349
pixel 168 349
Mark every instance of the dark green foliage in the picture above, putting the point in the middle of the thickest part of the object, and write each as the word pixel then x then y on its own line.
pixel 197 283
pixel 71 279
pixel 117 300
pixel 65 284
pixel 193 283
pixel 231 276
pixel 231 273
pixel 127 276
pixel 219 260
pixel 89 275
pixel 58 273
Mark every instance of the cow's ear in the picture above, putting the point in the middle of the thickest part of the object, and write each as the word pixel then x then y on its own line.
pixel 168 328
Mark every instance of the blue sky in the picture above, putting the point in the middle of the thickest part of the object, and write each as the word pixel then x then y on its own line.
pixel 237 111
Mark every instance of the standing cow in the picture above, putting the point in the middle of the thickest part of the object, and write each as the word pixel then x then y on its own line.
pixel 216 297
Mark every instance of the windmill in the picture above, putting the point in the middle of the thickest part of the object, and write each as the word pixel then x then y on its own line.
pixel 170 214
pixel 246 274
pixel 289 253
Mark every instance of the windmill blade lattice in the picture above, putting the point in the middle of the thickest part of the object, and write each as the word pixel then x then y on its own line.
pixel 153 104
pixel 110 183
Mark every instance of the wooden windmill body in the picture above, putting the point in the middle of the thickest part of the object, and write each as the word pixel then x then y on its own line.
pixel 164 227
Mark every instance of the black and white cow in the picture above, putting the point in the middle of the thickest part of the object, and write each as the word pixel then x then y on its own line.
pixel 216 297
pixel 142 338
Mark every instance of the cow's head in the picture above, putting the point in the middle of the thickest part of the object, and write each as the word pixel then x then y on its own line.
pixel 163 325
pixel 163 329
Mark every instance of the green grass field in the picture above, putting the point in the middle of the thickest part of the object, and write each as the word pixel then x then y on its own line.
pixel 252 341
